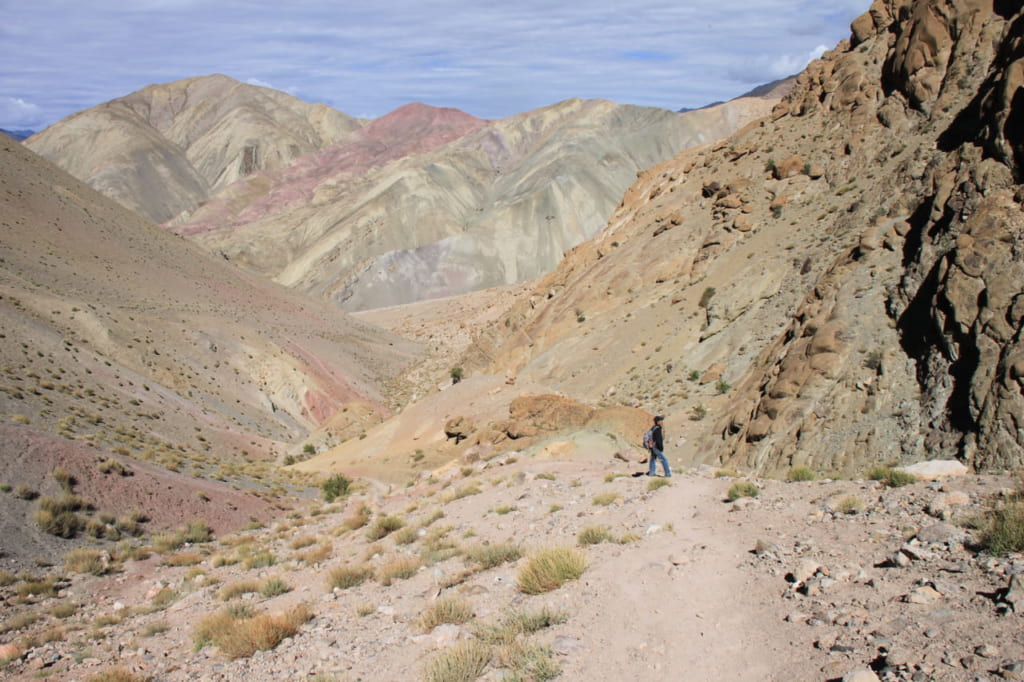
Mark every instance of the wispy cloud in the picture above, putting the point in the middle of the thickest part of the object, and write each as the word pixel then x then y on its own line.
pixel 491 59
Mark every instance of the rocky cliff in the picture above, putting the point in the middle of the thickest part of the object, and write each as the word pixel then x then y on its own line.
pixel 836 285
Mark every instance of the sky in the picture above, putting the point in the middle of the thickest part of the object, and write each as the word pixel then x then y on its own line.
pixel 490 59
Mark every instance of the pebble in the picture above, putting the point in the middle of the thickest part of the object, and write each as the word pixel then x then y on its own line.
pixel 861 675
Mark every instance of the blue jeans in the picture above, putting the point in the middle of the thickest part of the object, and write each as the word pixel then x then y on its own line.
pixel 658 456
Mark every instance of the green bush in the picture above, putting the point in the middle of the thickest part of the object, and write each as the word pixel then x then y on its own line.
pixel 800 474
pixel 1003 530
pixel 334 487
pixel 742 489
pixel 894 478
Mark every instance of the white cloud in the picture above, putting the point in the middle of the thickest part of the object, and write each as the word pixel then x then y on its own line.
pixel 17 113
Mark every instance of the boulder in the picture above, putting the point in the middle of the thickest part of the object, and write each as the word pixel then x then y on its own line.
pixel 935 468
pixel 788 167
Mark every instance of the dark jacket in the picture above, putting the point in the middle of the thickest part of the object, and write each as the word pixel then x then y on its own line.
pixel 659 444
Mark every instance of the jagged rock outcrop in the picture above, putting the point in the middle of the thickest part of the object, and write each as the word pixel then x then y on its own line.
pixel 853 262
pixel 167 148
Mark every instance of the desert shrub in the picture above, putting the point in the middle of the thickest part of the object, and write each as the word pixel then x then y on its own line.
pixel 23 492
pixel 304 541
pixel 197 531
pixel 360 518
pixel 698 412
pixel 117 674
pixel 64 609
pixel 46 587
pixel 594 535
pixel 155 628
pixel 7 578
pixel 65 479
pixel 19 622
pixel 463 662
pixel 63 525
pixel 334 487
pixel 893 478
pixel 455 610
pixel 529 661
pixel 549 569
pixel 604 499
pixel 317 555
pixel 260 559
pixel 127 524
pixel 742 489
pixel 237 589
pixel 490 555
pixel 850 505
pixel 238 637
pixel 344 577
pixel 168 542
pixel 112 466
pixel 405 536
pixel 399 569
pixel 384 526
pixel 86 561
pixel 456 374
pixel 65 503
pixel 273 587
pixel 546 476
pixel 722 387
pixel 801 473
pixel 656 483
pixel 1002 530
pixel 726 472
pixel 464 491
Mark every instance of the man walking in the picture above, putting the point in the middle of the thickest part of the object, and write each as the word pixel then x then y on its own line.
pixel 655 443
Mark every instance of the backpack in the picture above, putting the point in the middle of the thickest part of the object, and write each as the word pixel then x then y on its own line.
pixel 649 438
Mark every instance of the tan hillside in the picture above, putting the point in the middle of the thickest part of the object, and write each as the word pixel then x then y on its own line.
pixel 129 340
pixel 377 222
pixel 167 148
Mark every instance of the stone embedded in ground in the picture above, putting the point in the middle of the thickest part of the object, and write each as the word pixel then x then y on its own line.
pixel 1015 594
pixel 938 533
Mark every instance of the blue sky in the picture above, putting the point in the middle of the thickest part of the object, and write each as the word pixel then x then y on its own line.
pixel 491 59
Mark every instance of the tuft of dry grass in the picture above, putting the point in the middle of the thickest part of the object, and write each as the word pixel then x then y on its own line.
pixel 494 554
pixel 359 518
pixel 86 561
pixel 604 499
pixel 344 577
pixel 18 622
pixel 451 609
pixel 549 569
pixel 405 536
pixel 303 542
pixel 656 483
pixel 118 674
pixel 594 535
pixel 183 559
pixel 742 489
pixel 318 554
pixel 463 662
pixel 239 634
pixel 64 609
pixel 273 587
pixel 237 589
pixel 384 526
pixel 399 569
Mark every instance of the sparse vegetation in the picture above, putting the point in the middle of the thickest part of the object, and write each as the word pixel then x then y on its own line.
pixel 493 554
pixel 800 473
pixel 455 610
pixel 334 487
pixel 237 589
pixel 656 483
pixel 117 674
pixel 344 577
pixel 384 526
pixel 238 634
pixel 456 374
pixel 86 561
pixel 594 535
pixel 549 569
pixel 894 478
pixel 605 499
pixel 399 569
pixel 742 489
pixel 359 518
pixel 63 525
pixel 273 587
pixel 463 662
pixel 698 412
pixel 722 387
pixel 1002 527
pixel 850 505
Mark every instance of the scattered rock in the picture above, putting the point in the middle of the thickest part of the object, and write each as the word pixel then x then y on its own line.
pixel 861 675
pixel 564 645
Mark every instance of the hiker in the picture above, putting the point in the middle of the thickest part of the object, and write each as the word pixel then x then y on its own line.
pixel 655 444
